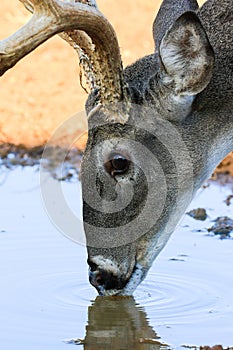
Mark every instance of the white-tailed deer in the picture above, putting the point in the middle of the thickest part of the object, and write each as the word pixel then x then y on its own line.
pixel 156 130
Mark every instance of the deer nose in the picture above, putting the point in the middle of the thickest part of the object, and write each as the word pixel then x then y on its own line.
pixel 104 280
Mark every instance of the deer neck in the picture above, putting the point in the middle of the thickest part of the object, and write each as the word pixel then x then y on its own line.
pixel 208 135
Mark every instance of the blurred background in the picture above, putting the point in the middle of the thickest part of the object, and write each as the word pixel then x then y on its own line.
pixel 43 89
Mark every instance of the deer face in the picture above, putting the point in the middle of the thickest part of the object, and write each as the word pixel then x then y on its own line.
pixel 130 184
pixel 114 189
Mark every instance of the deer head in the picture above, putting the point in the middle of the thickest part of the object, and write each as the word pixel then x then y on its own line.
pixel 156 130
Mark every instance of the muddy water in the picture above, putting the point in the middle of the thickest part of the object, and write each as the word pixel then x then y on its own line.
pixel 46 301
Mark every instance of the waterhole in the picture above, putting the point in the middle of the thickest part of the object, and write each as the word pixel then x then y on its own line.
pixel 46 301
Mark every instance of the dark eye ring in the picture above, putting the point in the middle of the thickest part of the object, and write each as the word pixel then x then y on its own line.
pixel 117 165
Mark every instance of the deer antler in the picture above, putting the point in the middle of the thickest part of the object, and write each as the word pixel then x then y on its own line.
pixel 98 42
pixel 83 45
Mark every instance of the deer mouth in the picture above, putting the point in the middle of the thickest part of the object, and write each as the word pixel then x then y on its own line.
pixel 135 279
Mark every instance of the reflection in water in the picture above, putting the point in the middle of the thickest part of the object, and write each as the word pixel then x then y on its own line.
pixel 118 323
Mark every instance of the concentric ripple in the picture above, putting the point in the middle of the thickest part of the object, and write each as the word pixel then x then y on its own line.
pixel 69 290
pixel 166 297
pixel 172 297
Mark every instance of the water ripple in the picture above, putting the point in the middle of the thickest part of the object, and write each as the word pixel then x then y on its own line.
pixel 69 291
pixel 171 297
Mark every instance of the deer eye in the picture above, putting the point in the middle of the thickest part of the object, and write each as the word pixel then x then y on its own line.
pixel 117 165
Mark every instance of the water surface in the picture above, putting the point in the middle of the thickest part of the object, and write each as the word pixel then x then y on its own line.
pixel 46 301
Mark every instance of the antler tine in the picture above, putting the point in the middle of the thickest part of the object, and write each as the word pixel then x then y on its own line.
pixel 52 17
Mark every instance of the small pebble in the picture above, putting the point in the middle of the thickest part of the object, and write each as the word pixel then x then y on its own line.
pixel 198 214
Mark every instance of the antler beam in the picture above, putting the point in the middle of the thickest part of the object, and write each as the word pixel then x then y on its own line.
pixel 52 17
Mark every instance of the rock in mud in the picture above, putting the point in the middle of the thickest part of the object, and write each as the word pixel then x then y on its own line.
pixel 229 199
pixel 223 226
pixel 198 214
pixel 216 347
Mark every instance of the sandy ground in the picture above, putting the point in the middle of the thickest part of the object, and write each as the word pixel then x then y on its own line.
pixel 43 90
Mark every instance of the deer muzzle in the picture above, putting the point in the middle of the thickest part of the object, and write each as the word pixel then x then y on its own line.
pixel 108 279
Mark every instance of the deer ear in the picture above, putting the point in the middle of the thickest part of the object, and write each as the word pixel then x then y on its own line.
pixel 186 56
pixel 169 11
